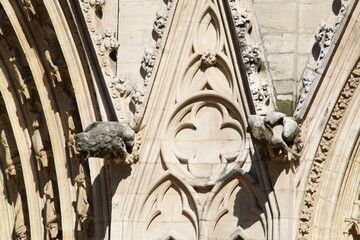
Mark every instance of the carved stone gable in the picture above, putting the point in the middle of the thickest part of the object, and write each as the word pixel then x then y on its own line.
pixel 195 150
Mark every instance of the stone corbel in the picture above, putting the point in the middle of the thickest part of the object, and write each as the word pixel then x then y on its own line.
pixel 277 134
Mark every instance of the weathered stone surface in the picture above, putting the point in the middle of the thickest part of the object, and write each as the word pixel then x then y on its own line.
pixel 106 139
pixel 184 75
pixel 277 133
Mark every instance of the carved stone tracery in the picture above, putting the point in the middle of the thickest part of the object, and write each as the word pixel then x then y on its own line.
pixel 199 150
pixel 190 139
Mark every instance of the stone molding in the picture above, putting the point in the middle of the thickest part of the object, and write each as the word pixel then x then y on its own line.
pixel 253 59
pixel 326 38
pixel 323 150
pixel 46 88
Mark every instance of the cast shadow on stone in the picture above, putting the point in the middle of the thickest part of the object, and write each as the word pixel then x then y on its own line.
pixel 118 173
pixel 316 50
pixel 105 184
pixel 336 7
pixel 142 73
pixel 247 207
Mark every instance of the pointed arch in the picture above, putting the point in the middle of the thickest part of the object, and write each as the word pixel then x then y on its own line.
pixel 154 205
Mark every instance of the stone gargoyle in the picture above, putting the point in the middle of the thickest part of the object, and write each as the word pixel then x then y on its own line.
pixel 112 141
pixel 276 133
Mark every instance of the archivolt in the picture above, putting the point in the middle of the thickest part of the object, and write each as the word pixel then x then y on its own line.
pixel 47 96
pixel 332 175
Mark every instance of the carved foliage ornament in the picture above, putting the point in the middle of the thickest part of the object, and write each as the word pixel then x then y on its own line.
pixel 151 53
pixel 251 58
pixel 128 94
pixel 323 151
pixel 104 40
pixel 324 39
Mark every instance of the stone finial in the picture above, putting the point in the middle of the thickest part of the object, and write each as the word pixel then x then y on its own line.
pixel 276 133
pixel 110 140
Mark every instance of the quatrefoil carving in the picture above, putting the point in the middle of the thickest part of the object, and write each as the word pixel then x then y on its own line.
pixel 205 140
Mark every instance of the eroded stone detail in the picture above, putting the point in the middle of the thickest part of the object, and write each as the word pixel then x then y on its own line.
pixel 323 151
pixel 251 57
pixel 242 23
pixel 129 96
pixel 106 44
pixel 324 38
pixel 276 133
pixel 110 140
pixel 160 23
pixel 208 58
pixel 104 40
pixel 307 83
pixel 89 7
pixel 136 103
pixel 148 61
pixel 150 53
pixel 324 35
